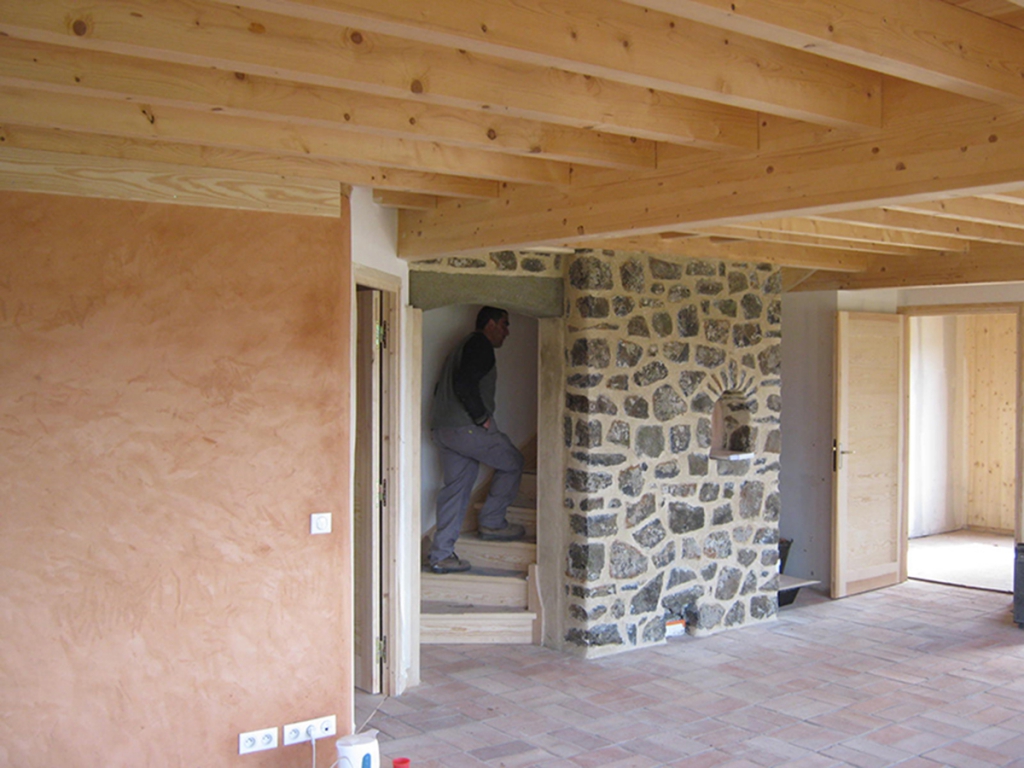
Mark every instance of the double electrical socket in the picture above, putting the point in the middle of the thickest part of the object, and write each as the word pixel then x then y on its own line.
pixel 257 741
pixel 295 733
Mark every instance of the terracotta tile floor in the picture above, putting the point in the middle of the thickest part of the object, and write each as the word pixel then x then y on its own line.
pixel 917 675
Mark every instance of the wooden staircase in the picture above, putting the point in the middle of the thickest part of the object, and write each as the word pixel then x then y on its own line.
pixel 497 601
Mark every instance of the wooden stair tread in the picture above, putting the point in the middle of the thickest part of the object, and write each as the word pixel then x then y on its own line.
pixel 441 608
pixel 475 539
pixel 481 573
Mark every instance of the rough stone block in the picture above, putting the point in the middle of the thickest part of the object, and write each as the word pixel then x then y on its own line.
pixel 586 561
pixel 684 518
pixel 626 561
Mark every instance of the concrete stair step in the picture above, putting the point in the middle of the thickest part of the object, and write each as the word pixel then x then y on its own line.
pixel 442 622
pixel 503 555
pixel 489 587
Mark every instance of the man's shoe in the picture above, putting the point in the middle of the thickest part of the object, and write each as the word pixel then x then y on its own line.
pixel 511 532
pixel 451 564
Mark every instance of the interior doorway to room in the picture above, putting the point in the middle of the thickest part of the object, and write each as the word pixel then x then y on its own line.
pixel 374 483
pixel 962 468
pixel 490 603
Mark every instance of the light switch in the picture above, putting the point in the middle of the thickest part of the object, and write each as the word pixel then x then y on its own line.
pixel 320 522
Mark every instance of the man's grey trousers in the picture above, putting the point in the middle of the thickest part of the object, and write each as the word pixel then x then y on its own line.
pixel 463 450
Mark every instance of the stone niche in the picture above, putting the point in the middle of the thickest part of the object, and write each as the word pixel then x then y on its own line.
pixel 659 528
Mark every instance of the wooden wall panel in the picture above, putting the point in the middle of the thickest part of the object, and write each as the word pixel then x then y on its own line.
pixel 174 400
pixel 990 354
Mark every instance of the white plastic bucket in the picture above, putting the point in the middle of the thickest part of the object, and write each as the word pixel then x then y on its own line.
pixel 359 750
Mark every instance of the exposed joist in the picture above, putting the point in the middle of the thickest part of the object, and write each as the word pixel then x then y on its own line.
pixel 759 234
pixel 84 72
pixel 23 106
pixel 613 41
pixel 205 157
pixel 208 34
pixel 985 264
pixel 406 200
pixel 63 174
pixel 741 250
pixel 927 41
pixel 857 235
pixel 933 154
pixel 890 220
pixel 973 209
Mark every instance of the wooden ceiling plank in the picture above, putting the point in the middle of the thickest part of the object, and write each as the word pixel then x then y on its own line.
pixel 156 151
pixel 742 250
pixel 234 39
pixel 77 71
pixel 407 200
pixel 966 151
pixel 63 174
pixel 930 42
pixel 924 223
pixel 117 117
pixel 984 264
pixel 617 42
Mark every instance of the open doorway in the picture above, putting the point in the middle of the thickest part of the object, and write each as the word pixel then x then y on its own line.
pixel 492 602
pixel 962 445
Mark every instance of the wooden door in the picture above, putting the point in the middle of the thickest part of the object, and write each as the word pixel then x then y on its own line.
pixel 869 539
pixel 366 532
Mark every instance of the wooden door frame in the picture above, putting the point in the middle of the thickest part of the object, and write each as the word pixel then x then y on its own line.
pixel 400 519
pixel 997 308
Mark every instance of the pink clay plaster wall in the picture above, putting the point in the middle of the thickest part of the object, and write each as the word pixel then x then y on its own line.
pixel 174 389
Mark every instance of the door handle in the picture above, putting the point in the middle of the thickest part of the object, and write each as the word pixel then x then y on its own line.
pixel 837 456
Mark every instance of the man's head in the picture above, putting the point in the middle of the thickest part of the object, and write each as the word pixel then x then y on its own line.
pixel 493 323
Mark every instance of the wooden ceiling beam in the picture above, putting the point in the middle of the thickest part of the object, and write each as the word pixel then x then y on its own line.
pixel 984 264
pixel 253 42
pixel 199 156
pixel 741 250
pixel 975 209
pixel 891 220
pixel 856 235
pixel 73 70
pixel 138 120
pixel 758 234
pixel 969 150
pixel 927 41
pixel 616 42
pixel 407 200
pixel 64 174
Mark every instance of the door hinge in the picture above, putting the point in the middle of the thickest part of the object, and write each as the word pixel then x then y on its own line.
pixel 382 493
pixel 382 335
pixel 382 650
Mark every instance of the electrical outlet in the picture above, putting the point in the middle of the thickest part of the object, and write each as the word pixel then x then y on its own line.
pixel 318 727
pixel 257 741
pixel 320 522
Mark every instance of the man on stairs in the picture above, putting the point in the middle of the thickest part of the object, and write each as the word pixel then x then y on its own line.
pixel 463 427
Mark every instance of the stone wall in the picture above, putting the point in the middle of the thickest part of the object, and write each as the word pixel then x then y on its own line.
pixel 659 529
pixel 509 263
